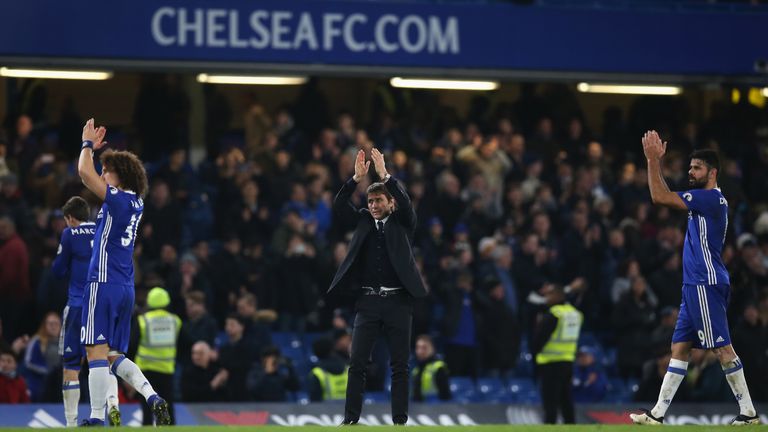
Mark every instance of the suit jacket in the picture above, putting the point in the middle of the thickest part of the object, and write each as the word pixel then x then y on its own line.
pixel 398 235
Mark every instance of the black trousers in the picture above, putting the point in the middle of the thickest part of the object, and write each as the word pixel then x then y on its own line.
pixel 392 316
pixel 556 394
pixel 163 385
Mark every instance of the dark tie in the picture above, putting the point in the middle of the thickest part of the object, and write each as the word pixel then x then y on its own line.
pixel 380 225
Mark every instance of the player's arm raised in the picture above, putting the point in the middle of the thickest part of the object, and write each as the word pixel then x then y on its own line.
pixel 92 140
pixel 654 150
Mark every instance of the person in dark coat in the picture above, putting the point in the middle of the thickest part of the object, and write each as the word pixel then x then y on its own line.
pixel 381 270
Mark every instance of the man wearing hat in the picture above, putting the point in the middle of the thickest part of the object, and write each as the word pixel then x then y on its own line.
pixel 156 353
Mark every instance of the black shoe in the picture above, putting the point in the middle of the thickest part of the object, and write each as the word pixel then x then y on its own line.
pixel 160 409
pixel 348 422
pixel 743 420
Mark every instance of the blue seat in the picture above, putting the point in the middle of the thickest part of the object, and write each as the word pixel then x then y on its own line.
pixel 523 390
pixel 464 390
pixel 489 387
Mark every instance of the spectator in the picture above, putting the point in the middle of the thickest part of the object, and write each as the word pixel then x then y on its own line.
pixel 652 377
pixel 17 347
pixel 273 379
pixel 203 380
pixel 430 377
pixel 590 383
pixel 236 355
pixel 256 332
pixel 42 357
pixel 705 378
pixel 750 337
pixel 15 291
pixel 161 223
pixel 328 379
pixel 661 337
pixel 461 327
pixel 13 388
pixel 500 332
pixel 198 326
pixel 634 318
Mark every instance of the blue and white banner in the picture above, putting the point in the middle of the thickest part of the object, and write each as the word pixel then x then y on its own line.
pixel 396 34
pixel 330 414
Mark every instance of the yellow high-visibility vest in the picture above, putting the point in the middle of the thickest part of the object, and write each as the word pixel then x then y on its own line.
pixel 564 340
pixel 334 385
pixel 428 377
pixel 159 330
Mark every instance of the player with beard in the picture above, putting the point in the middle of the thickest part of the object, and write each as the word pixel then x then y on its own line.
pixel 702 322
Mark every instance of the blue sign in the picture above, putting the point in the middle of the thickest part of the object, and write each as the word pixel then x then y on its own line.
pixel 422 35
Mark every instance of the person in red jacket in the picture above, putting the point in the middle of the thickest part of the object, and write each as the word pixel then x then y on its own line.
pixel 13 388
pixel 15 290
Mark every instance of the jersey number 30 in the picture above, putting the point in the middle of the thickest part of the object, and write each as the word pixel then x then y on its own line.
pixel 130 231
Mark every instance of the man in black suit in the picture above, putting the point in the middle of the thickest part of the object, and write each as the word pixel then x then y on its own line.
pixel 380 269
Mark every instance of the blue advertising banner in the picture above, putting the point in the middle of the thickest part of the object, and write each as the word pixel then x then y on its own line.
pixel 330 414
pixel 494 36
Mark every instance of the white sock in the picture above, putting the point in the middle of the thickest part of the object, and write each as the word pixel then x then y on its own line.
pixel 734 374
pixel 127 370
pixel 70 391
pixel 672 379
pixel 98 383
pixel 112 400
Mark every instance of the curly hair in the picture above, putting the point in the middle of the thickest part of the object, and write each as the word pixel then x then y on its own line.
pixel 129 170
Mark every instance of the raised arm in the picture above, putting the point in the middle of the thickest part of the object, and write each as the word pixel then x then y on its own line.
pixel 654 150
pixel 405 211
pixel 342 206
pixel 92 140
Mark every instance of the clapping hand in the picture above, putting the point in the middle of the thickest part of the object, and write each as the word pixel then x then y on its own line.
pixel 361 166
pixel 653 147
pixel 378 163
pixel 94 134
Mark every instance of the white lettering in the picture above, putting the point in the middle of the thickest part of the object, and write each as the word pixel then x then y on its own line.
pixel 305 32
pixel 157 27
pixel 330 30
pixel 349 32
pixel 424 420
pixel 262 39
pixel 234 34
pixel 421 34
pixel 279 28
pixel 214 27
pixel 444 40
pixel 196 27
pixel 465 420
pixel 381 36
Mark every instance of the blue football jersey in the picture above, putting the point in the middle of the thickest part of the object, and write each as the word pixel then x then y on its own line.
pixel 116 227
pixel 73 259
pixel 707 224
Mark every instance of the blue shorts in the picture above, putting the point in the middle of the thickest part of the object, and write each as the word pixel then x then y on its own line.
pixel 702 318
pixel 107 311
pixel 70 349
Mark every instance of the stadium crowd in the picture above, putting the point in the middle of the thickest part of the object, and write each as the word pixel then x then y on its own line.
pixel 510 197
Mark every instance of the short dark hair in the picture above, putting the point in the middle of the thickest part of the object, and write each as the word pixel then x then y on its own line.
pixel 426 338
pixel 77 208
pixel 197 297
pixel 709 156
pixel 237 317
pixel 378 188
pixel 128 168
